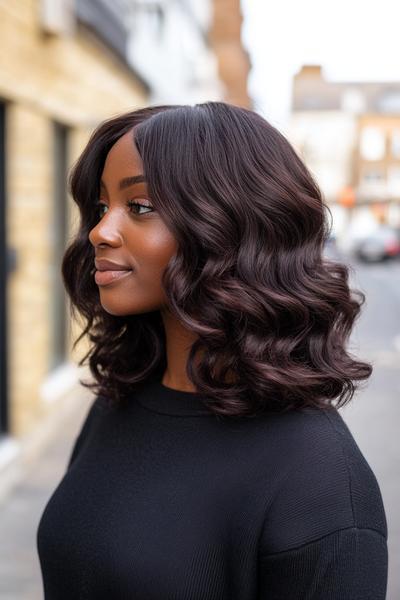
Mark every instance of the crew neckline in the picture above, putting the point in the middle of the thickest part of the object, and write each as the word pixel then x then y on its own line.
pixel 157 397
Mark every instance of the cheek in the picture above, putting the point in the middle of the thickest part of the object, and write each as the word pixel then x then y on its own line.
pixel 154 253
pixel 143 292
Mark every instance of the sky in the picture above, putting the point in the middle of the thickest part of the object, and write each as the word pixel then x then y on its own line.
pixel 353 40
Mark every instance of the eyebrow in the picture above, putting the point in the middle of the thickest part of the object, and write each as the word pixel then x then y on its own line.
pixel 128 181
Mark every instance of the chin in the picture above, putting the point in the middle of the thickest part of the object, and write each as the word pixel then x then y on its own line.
pixel 116 312
pixel 114 303
pixel 118 308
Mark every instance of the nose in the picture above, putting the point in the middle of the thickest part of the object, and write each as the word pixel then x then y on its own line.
pixel 107 231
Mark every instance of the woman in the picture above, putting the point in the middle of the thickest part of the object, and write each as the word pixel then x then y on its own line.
pixel 213 463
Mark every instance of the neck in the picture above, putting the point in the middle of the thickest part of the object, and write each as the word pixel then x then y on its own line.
pixel 179 340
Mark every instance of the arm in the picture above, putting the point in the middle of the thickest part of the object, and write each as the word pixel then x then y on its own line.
pixel 349 564
pixel 324 535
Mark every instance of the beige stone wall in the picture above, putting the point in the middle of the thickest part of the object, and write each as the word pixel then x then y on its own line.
pixel 28 143
pixel 75 80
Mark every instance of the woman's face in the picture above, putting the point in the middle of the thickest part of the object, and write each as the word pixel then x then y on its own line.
pixel 132 236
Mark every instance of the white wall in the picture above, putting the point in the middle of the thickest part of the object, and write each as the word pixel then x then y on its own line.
pixel 172 53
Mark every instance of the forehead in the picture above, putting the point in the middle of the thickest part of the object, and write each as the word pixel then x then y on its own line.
pixel 122 159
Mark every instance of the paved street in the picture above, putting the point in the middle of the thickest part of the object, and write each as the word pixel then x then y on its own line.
pixel 373 418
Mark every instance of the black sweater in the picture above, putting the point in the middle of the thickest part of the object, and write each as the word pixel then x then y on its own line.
pixel 163 500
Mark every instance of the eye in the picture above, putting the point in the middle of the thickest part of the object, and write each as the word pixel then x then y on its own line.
pixel 99 206
pixel 131 204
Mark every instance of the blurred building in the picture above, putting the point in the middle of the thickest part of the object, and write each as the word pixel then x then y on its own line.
pixel 233 59
pixel 168 44
pixel 349 135
pixel 65 65
pixel 190 51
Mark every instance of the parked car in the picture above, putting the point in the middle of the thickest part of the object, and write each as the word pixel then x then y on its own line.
pixel 378 245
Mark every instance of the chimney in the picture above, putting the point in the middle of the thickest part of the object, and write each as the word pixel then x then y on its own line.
pixel 310 72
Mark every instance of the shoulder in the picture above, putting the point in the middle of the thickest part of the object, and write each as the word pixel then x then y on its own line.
pixel 97 407
pixel 325 483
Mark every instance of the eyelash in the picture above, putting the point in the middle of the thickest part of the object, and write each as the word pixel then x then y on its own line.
pixel 129 204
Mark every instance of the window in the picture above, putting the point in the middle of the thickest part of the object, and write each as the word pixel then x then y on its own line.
pixel 373 182
pixel 389 102
pixel 373 176
pixel 353 101
pixel 372 143
pixel 395 143
pixel 394 180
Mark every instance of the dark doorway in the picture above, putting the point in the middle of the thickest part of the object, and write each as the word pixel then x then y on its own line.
pixel 59 334
pixel 5 265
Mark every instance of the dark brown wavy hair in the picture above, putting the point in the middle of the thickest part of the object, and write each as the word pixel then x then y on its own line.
pixel 273 315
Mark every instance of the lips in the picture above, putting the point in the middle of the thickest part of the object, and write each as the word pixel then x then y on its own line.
pixel 109 271
pixel 108 265
pixel 107 277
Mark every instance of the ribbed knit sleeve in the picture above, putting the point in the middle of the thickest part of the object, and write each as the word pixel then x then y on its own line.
pixel 350 564
pixel 325 530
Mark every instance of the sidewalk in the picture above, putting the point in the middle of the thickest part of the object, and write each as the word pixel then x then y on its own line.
pixel 21 509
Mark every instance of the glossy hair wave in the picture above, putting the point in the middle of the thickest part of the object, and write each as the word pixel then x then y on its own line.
pixel 272 314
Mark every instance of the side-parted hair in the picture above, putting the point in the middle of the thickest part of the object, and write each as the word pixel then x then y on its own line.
pixel 273 315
